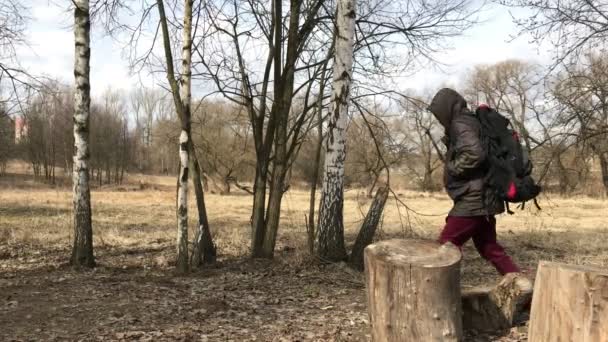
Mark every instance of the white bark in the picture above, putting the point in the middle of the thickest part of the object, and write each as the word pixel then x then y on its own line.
pixel 186 80
pixel 184 152
pixel 82 251
pixel 330 242
pixel 182 205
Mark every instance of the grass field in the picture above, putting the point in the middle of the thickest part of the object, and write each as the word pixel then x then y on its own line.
pixel 133 294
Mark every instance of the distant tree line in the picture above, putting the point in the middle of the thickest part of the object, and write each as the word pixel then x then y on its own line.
pixel 562 119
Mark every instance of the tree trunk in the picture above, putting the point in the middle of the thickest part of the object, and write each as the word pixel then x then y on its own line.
pixel 494 308
pixel 181 99
pixel 182 205
pixel 185 95
pixel 413 291
pixel 310 225
pixel 562 176
pixel 203 251
pixel 82 250
pixel 368 228
pixel 283 86
pixel 570 304
pixel 274 205
pixel 258 224
pixel 330 240
pixel 225 187
pixel 604 169
pixel 370 190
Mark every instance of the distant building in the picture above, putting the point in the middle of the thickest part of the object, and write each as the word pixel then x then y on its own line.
pixel 20 129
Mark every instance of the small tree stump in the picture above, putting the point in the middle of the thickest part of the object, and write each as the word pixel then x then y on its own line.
pixel 493 308
pixel 570 303
pixel 413 291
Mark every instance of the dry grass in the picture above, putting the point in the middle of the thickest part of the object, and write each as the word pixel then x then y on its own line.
pixel 134 293
pixel 568 229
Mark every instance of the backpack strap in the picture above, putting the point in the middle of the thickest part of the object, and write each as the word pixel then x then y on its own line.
pixel 509 211
pixel 536 204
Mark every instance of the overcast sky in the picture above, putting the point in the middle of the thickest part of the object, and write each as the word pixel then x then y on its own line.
pixel 51 51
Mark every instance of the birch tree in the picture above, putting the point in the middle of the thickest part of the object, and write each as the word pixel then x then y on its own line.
pixel 330 242
pixel 181 98
pixel 142 54
pixel 203 249
pixel 82 251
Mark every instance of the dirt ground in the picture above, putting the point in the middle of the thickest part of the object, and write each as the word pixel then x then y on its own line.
pixel 134 295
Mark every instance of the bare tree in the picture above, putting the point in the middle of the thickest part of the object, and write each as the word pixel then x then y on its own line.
pixel 82 251
pixel 583 93
pixel 242 53
pixel 509 87
pixel 13 20
pixel 267 94
pixel 367 160
pixel 204 250
pixel 7 139
pixel 222 132
pixel 145 104
pixel 571 26
pixel 417 129
pixel 46 140
pixel 330 241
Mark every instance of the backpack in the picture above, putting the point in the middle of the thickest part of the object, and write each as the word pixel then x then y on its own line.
pixel 509 175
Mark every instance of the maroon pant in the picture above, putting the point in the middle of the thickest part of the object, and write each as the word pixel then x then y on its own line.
pixel 482 229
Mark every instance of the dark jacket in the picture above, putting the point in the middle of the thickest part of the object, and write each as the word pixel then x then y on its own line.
pixel 466 165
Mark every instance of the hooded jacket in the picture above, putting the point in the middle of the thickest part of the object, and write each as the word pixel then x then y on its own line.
pixel 465 166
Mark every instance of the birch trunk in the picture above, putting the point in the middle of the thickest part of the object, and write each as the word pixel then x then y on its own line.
pixel 330 240
pixel 185 141
pixel 204 250
pixel 310 225
pixel 181 98
pixel 82 251
pixel 182 205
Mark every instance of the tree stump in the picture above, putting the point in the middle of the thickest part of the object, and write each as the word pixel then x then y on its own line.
pixel 570 303
pixel 413 291
pixel 493 308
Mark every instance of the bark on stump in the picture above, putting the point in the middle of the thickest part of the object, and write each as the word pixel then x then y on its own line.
pixel 494 308
pixel 570 303
pixel 413 291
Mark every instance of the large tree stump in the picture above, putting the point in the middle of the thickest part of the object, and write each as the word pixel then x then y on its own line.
pixel 413 291
pixel 492 308
pixel 570 303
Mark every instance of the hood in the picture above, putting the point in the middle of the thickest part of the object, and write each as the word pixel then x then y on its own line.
pixel 446 104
